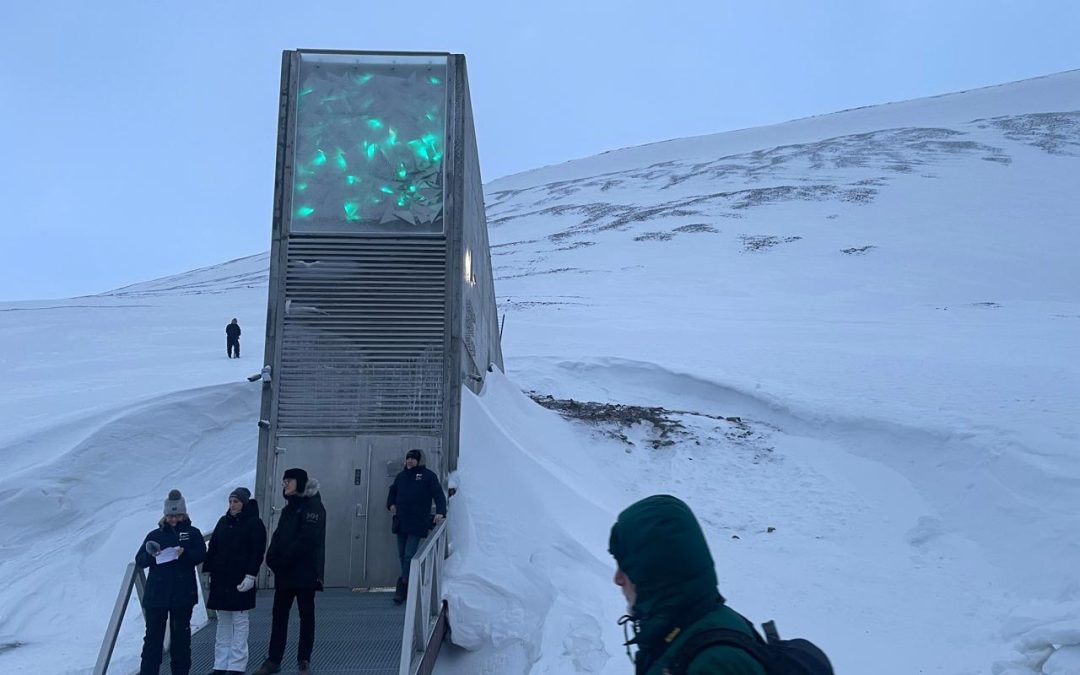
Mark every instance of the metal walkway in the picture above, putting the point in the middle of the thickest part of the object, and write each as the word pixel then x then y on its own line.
pixel 355 634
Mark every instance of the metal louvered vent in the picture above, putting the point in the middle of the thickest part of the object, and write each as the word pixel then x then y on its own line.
pixel 363 341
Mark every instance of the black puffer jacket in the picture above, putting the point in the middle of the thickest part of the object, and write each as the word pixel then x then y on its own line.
pixel 232 331
pixel 298 548
pixel 412 493
pixel 172 584
pixel 236 549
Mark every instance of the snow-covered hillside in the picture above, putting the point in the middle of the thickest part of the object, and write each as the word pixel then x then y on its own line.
pixel 889 300
pixel 852 344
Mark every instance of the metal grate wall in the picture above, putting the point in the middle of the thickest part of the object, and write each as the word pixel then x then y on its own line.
pixel 364 335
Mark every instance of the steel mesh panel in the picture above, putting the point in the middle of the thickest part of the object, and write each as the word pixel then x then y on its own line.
pixel 355 634
pixel 363 341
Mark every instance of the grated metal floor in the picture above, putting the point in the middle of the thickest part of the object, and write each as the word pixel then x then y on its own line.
pixel 355 634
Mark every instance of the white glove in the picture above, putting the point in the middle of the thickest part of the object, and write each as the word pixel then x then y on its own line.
pixel 247 584
pixel 153 548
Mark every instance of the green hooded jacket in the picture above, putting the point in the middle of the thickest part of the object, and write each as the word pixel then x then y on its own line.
pixel 659 545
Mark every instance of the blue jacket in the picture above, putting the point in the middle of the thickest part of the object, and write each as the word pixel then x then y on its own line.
pixel 172 584
pixel 412 493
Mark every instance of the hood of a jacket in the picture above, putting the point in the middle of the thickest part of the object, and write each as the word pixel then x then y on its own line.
pixel 658 543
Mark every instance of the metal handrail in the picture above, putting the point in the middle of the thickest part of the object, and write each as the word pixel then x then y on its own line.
pixel 424 602
pixel 135 578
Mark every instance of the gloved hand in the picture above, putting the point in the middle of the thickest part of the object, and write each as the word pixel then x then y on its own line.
pixel 153 548
pixel 247 584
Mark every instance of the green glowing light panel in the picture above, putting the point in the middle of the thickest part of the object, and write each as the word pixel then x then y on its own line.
pixel 369 145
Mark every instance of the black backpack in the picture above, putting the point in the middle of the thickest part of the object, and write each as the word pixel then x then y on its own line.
pixel 776 656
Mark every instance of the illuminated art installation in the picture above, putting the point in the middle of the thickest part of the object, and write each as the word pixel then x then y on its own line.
pixel 369 145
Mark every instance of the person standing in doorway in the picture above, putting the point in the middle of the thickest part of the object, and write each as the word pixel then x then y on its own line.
pixel 409 500
pixel 171 551
pixel 232 561
pixel 232 339
pixel 296 556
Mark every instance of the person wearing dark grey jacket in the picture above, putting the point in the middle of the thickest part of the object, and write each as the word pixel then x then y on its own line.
pixel 171 551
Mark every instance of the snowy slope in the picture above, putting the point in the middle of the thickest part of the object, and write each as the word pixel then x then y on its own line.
pixel 888 297
pixel 110 401
pixel 864 328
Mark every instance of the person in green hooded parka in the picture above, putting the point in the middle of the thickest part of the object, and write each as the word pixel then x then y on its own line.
pixel 667 574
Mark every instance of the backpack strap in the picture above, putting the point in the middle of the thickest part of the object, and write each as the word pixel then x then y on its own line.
pixel 716 637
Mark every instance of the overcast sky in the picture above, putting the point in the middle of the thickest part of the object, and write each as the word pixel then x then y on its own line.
pixel 139 135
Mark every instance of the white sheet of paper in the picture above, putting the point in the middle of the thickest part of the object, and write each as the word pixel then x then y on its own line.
pixel 167 555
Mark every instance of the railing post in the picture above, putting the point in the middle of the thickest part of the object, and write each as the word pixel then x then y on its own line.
pixel 425 570
pixel 409 628
pixel 211 614
pixel 122 599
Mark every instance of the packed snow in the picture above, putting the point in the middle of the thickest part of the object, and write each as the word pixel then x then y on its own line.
pixel 849 342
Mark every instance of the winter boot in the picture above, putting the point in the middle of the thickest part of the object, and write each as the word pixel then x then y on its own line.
pixel 268 668
pixel 401 591
pixel 304 667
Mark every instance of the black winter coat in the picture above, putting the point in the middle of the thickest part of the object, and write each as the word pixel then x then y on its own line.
pixel 236 549
pixel 298 548
pixel 232 331
pixel 412 493
pixel 172 584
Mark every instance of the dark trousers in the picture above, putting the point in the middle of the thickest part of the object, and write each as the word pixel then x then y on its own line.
pixel 279 629
pixel 232 347
pixel 406 548
pixel 179 619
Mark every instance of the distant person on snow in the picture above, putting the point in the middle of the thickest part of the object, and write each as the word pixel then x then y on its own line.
pixel 667 576
pixel 409 500
pixel 296 557
pixel 232 339
pixel 171 551
pixel 232 561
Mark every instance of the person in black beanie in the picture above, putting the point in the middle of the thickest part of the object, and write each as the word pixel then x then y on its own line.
pixel 296 557
pixel 171 551
pixel 409 500
pixel 232 561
